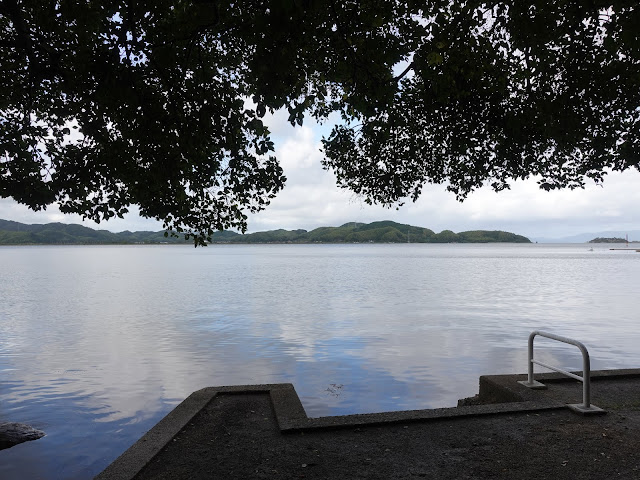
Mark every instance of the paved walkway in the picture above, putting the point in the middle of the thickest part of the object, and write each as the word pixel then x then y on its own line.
pixel 262 432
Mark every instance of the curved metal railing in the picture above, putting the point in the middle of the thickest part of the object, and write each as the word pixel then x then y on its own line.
pixel 585 406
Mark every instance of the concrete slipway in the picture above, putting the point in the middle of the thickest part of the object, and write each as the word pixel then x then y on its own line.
pixel 507 431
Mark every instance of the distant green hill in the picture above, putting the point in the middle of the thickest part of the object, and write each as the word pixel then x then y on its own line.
pixel 14 233
pixel 609 240
pixel 375 232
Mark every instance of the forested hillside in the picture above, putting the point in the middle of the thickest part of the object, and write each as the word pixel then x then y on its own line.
pixel 14 233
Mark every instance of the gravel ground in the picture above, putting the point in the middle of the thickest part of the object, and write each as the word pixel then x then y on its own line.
pixel 237 437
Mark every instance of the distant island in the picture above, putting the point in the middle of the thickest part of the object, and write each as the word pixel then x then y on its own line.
pixel 15 233
pixel 610 240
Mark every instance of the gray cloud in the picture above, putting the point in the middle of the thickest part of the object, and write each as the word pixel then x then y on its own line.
pixel 311 199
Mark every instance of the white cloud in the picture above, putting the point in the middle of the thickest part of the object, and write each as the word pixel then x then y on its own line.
pixel 311 199
pixel 300 151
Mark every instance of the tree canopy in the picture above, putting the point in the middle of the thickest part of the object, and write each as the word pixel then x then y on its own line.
pixel 160 104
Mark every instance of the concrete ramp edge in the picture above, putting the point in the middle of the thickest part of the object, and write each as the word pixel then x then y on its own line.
pixel 498 394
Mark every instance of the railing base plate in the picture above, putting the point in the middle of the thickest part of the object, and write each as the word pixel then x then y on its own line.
pixel 591 410
pixel 534 385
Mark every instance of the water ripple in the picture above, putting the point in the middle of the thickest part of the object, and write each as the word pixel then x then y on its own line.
pixel 98 343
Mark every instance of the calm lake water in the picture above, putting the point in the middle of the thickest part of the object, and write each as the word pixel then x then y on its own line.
pixel 97 344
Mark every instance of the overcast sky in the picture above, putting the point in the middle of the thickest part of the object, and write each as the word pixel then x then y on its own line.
pixel 311 199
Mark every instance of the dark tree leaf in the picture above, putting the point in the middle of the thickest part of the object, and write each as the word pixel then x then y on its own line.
pixel 462 93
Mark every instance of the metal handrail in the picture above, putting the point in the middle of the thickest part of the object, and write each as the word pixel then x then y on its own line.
pixel 586 406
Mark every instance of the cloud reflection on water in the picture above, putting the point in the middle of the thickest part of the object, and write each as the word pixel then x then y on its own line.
pixel 98 343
